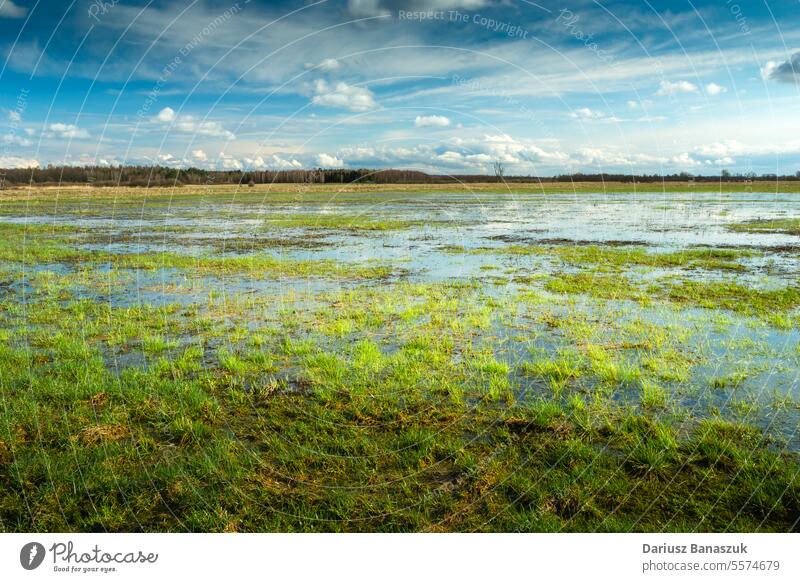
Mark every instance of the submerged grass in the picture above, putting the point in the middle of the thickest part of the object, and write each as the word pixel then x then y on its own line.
pixel 40 244
pixel 285 431
pixel 607 257
pixel 338 221
pixel 766 304
pixel 778 225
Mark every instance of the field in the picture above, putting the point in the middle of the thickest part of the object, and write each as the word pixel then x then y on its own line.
pixel 316 358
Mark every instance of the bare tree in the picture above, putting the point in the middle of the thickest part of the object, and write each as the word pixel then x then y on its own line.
pixel 499 170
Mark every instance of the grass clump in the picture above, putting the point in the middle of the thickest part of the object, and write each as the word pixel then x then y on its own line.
pixel 768 226
pixel 605 258
pixel 338 221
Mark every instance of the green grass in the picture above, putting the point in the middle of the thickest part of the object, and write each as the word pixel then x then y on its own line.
pixel 368 436
pixel 779 225
pixel 256 266
pixel 766 304
pixel 572 401
pixel 602 257
pixel 38 244
pixel 338 221
pixel 180 446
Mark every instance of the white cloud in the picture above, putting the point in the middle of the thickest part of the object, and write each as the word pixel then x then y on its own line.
pixel 228 162
pixel 10 10
pixel 14 116
pixel 785 72
pixel 343 96
pixel 12 162
pixel 85 159
pixel 326 161
pixel 633 104
pixel 199 155
pixel 431 121
pixel 720 162
pixel 168 160
pixel 668 88
pixel 13 139
pixel 166 115
pixel 272 163
pixel 65 131
pixel 586 113
pixel 281 164
pixel 606 157
pixel 731 148
pixel 256 163
pixel 190 125
pixel 684 160
pixel 713 89
pixel 721 149
pixel 768 70
pixel 474 154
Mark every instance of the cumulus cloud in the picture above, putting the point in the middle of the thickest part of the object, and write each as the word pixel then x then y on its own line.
pixel 365 8
pixel 431 121
pixel 731 148
pixel 168 160
pixel 327 161
pixel 10 10
pixel 14 116
pixel 459 155
pixel 669 88
pixel 166 115
pixel 228 162
pixel 13 162
pixel 276 162
pixel 343 96
pixel 65 131
pixel 713 89
pixel 721 148
pixel 785 72
pixel 604 158
pixel 199 155
pixel 684 160
pixel 610 157
pixel 477 154
pixel 272 163
pixel 190 125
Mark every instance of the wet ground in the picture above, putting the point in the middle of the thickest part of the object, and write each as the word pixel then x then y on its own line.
pixel 669 305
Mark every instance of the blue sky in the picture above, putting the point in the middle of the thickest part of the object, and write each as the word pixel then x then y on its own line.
pixel 442 85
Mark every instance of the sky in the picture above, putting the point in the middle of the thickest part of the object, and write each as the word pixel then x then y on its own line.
pixel 445 86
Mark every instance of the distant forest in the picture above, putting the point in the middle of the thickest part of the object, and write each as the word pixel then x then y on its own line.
pixel 151 176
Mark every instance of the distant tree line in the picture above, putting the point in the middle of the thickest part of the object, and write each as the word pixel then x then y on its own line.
pixel 148 176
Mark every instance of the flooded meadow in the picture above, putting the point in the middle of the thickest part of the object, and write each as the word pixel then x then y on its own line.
pixel 252 360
